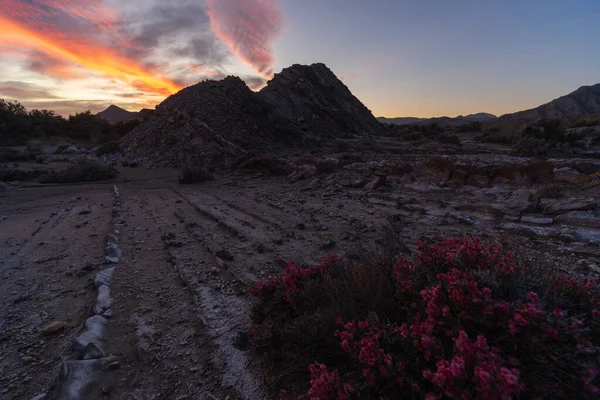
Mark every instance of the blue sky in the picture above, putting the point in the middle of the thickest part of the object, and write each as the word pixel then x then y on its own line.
pixel 401 58
pixel 435 57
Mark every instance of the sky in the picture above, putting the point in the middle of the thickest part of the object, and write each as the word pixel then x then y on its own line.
pixel 420 58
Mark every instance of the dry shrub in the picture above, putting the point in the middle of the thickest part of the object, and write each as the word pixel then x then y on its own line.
pixel 463 319
pixel 108 148
pixel 35 147
pixel 8 154
pixel 195 173
pixel 81 171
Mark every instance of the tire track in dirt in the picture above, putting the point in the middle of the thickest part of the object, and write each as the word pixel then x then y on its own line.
pixel 178 320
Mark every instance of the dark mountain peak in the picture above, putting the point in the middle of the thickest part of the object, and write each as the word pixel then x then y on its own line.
pixel 112 107
pixel 115 114
pixel 319 101
pixel 218 120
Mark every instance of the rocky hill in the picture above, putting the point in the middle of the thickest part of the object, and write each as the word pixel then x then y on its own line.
pixel 461 119
pixel 114 114
pixel 319 102
pixel 223 120
pixel 203 121
pixel 583 101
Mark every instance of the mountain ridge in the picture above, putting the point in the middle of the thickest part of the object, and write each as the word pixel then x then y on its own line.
pixel 583 101
pixel 460 119
pixel 114 114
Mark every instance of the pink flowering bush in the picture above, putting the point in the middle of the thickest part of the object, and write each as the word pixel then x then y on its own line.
pixel 461 321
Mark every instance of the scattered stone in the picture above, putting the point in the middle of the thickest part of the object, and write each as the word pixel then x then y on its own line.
pixel 580 218
pixel 104 301
pixel 225 255
pixel 586 167
pixel 593 251
pixel 54 327
pixel 91 352
pixel 301 226
pixel 93 332
pixel 530 231
pixel 537 220
pixel 375 183
pixel 113 250
pixel 565 205
pixel 321 228
pixel 113 366
pixel 78 376
pixel 41 396
pixel 104 277
pixel 174 243
pixel 329 245
pixel 85 212
pixel 111 260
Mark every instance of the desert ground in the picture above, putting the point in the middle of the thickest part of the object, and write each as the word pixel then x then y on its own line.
pixel 178 308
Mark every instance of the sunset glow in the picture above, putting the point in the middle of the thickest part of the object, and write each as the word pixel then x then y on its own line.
pixel 399 58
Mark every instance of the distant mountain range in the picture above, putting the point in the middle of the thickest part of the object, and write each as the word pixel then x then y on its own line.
pixel 114 114
pixel 461 119
pixel 583 101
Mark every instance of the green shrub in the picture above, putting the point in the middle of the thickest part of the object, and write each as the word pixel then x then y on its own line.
pixel 81 171
pixel 35 147
pixel 63 146
pixel 107 148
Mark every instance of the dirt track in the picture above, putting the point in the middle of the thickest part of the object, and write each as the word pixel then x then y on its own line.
pixel 181 308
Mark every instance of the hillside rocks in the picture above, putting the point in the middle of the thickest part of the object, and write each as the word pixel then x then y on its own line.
pixel 483 171
pixel 206 121
pixel 220 121
pixel 583 101
pixel 319 102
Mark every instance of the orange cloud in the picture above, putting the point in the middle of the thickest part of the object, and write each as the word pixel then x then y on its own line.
pixel 26 25
pixel 248 28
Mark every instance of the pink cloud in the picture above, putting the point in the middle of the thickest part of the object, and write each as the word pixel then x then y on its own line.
pixel 248 28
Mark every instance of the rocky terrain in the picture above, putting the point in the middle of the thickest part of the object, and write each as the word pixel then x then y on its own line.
pixel 136 287
pixel 221 121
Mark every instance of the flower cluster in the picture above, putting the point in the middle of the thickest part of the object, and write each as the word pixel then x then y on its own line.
pixel 290 279
pixel 326 385
pixel 459 333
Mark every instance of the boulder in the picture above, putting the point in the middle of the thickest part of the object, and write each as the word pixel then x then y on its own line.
pixel 93 332
pixel 562 206
pixel 529 219
pixel 580 218
pixel 586 167
pixel 375 183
